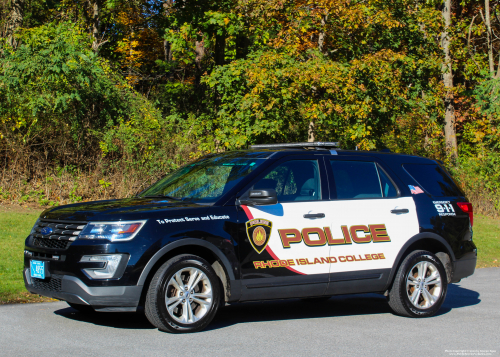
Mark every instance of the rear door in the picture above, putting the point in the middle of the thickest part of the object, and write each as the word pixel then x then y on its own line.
pixel 371 223
pixel 284 252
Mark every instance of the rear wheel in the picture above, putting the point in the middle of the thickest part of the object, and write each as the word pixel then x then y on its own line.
pixel 420 285
pixel 183 295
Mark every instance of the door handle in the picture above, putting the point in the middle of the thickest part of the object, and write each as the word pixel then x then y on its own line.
pixel 314 215
pixel 400 210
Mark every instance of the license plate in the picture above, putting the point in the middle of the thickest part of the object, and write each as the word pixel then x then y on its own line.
pixel 37 269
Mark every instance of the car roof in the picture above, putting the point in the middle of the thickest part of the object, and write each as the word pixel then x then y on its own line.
pixel 278 153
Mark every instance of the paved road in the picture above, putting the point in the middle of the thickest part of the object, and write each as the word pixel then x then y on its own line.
pixel 351 325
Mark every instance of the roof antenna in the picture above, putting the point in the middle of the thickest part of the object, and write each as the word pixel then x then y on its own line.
pixel 356 147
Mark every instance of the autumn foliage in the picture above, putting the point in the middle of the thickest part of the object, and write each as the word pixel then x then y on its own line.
pixel 116 93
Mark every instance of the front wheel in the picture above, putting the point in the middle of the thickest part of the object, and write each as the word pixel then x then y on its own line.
pixel 183 295
pixel 420 285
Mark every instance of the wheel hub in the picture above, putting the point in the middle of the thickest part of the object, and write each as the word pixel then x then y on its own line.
pixel 188 296
pixel 423 285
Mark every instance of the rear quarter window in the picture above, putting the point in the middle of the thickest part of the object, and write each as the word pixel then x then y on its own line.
pixel 433 179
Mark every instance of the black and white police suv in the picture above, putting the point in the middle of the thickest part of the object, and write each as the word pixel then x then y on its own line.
pixel 302 220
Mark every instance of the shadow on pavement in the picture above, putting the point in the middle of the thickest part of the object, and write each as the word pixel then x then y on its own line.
pixel 363 304
pixel 458 297
pixel 123 320
pixel 366 304
pixel 345 305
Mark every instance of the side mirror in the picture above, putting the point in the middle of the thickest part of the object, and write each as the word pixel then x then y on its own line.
pixel 259 197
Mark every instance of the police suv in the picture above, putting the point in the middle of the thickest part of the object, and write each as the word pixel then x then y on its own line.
pixel 301 220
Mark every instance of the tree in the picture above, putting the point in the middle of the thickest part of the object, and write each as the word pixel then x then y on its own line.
pixel 447 69
pixel 13 21
pixel 362 80
pixel 56 94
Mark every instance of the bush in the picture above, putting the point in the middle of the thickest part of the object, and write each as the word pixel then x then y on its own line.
pixel 479 177
pixel 61 106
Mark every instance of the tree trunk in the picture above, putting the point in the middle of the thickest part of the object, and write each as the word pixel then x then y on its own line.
pixel 200 55
pixel 321 42
pixel 449 118
pixel 14 21
pixel 167 49
pixel 242 45
pixel 167 46
pixel 220 49
pixel 310 132
pixel 489 37
pixel 321 36
pixel 95 25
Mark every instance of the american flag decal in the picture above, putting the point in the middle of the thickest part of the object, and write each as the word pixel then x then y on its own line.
pixel 415 190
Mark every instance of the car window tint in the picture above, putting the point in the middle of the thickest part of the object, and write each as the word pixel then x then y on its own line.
pixel 433 179
pixel 296 180
pixel 388 189
pixel 205 180
pixel 356 179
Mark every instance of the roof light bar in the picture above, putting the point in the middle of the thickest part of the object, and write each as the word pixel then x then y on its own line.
pixel 298 145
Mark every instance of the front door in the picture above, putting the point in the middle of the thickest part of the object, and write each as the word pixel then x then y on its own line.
pixel 284 252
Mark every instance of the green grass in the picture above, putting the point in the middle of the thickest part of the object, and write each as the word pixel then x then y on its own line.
pixel 15 225
pixel 487 240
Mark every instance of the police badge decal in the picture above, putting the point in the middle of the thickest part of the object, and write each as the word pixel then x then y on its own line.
pixel 259 233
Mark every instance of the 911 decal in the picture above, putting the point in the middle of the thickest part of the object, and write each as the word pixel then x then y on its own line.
pixel 317 237
pixel 444 208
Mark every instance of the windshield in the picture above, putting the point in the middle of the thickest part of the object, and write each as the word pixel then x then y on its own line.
pixel 203 181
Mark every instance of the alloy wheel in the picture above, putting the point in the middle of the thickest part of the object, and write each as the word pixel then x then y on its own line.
pixel 423 285
pixel 188 296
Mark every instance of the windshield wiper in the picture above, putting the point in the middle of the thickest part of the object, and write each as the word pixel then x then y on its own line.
pixel 163 196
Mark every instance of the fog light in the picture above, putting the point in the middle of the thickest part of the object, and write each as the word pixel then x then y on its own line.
pixel 111 261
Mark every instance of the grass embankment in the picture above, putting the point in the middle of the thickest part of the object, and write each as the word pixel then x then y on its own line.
pixel 16 223
pixel 487 240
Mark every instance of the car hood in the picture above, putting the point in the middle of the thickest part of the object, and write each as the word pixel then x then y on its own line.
pixel 123 209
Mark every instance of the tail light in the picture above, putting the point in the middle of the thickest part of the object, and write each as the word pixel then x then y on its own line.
pixel 467 208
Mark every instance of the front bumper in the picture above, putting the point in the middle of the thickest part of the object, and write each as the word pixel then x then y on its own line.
pixel 73 290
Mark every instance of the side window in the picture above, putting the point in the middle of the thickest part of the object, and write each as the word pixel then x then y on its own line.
pixel 296 180
pixel 433 179
pixel 360 179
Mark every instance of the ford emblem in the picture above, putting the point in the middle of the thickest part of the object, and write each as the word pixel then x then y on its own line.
pixel 46 231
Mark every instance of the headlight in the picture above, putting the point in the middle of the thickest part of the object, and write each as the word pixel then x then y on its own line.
pixel 107 271
pixel 113 231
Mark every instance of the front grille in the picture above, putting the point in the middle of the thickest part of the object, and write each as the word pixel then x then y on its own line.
pixel 51 243
pixel 50 284
pixel 63 234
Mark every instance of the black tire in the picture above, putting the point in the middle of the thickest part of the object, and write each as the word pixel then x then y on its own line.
pixel 399 299
pixel 85 309
pixel 177 319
